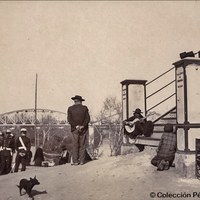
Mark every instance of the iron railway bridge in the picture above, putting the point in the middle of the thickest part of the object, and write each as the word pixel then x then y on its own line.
pixel 26 117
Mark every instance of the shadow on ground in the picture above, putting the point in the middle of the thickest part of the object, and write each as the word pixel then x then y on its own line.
pixel 35 193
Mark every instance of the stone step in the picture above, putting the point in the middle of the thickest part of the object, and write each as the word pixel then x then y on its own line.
pixel 165 121
pixel 158 128
pixel 149 141
pixel 157 135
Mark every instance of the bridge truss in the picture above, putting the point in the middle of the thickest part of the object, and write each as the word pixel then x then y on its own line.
pixel 26 117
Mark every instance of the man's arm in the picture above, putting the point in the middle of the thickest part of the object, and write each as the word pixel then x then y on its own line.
pixel 13 144
pixel 69 117
pixel 28 144
pixel 87 118
pixel 130 119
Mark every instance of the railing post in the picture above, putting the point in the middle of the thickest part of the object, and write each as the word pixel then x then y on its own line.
pixel 133 96
pixel 188 113
pixel 145 99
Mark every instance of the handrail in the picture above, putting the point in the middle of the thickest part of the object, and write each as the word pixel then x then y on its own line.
pixel 161 102
pixel 160 89
pixel 160 76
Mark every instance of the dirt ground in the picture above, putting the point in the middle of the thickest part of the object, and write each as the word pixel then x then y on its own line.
pixel 127 177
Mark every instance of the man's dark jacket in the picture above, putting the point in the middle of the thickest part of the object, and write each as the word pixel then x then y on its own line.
pixel 78 115
pixel 8 142
pixel 26 141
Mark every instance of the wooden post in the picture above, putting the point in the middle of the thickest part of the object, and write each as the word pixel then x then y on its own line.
pixel 36 136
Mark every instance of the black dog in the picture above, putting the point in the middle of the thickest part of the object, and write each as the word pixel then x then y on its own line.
pixel 27 185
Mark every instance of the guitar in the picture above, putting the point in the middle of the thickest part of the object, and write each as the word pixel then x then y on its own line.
pixel 130 126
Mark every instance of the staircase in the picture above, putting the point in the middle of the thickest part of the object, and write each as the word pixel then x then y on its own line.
pixel 169 116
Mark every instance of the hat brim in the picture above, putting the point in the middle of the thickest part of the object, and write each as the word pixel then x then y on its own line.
pixel 74 98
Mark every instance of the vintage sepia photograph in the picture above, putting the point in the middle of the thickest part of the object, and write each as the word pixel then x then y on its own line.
pixel 100 100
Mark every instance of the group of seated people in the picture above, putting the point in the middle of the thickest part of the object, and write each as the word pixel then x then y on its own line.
pixel 65 156
pixel 137 125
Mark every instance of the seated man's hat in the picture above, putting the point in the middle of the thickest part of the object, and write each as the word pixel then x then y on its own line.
pixel 138 111
pixel 78 98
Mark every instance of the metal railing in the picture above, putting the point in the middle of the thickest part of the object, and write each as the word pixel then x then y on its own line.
pixel 159 90
pixel 160 76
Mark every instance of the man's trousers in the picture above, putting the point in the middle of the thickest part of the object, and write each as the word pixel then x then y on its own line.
pixel 20 160
pixel 6 161
pixel 79 146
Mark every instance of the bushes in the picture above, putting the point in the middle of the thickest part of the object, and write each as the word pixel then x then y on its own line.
pixel 55 138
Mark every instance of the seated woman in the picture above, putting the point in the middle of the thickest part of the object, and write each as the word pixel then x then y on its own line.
pixel 64 157
pixel 39 157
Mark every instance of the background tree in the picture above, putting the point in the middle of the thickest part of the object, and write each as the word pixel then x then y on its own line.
pixel 111 111
pixel 111 116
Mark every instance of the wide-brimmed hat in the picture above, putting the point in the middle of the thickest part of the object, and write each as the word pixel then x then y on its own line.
pixel 137 110
pixel 78 98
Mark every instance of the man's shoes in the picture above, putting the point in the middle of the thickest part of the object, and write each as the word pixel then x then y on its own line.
pixel 161 165
pixel 166 165
pixel 173 165
pixel 75 164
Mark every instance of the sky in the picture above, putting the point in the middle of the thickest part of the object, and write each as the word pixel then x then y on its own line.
pixel 88 48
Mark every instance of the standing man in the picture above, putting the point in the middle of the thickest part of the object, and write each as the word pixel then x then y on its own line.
pixel 8 148
pixel 23 146
pixel 78 117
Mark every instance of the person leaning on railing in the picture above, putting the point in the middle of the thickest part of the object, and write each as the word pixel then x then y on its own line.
pixel 166 149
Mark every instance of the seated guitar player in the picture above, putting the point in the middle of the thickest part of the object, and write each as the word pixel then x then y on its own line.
pixel 138 125
pixel 134 125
